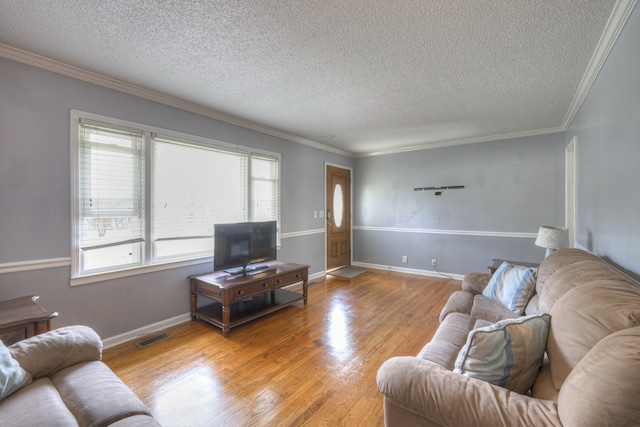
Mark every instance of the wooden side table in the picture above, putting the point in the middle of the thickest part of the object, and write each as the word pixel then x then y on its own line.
pixel 22 318
pixel 498 262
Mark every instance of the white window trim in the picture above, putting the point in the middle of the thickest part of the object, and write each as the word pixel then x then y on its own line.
pixel 74 121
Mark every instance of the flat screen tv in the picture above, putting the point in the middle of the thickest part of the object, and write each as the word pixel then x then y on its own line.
pixel 241 247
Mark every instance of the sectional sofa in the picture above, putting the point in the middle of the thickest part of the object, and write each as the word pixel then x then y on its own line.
pixel 57 379
pixel 569 355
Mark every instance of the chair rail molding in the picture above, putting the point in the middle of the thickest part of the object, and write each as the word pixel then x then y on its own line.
pixel 36 264
pixel 302 233
pixel 449 232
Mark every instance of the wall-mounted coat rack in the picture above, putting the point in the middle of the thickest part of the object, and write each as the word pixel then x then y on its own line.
pixel 439 190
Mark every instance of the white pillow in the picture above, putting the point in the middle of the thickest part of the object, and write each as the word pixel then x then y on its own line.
pixel 508 354
pixel 512 286
pixel 12 375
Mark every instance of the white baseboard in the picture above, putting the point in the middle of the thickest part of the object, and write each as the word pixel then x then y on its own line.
pixel 318 275
pixel 131 335
pixel 408 270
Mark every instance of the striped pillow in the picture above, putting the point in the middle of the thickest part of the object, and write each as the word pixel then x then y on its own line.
pixel 508 354
pixel 512 286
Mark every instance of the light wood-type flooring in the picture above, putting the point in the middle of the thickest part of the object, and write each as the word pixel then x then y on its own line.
pixel 312 365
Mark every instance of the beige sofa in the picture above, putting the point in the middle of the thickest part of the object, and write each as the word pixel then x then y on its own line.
pixel 590 374
pixel 70 385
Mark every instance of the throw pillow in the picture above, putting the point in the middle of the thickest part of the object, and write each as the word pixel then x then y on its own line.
pixel 508 354
pixel 512 286
pixel 12 375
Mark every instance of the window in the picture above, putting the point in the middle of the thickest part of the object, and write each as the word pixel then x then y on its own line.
pixel 111 198
pixel 146 197
pixel 264 186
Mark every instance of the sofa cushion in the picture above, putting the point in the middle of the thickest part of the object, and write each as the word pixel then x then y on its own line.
pixel 481 323
pixel 136 421
pixel 12 376
pixel 576 274
pixel 448 340
pixel 475 282
pixel 420 393
pixel 532 307
pixel 512 286
pixel 508 354
pixel 603 388
pixel 47 353
pixel 458 302
pixel 490 310
pixel 442 353
pixel 37 404
pixel 95 395
pixel 455 329
pixel 450 337
pixel 543 387
pixel 557 260
pixel 585 315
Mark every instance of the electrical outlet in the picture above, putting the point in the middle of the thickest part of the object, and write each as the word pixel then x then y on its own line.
pixel 434 262
pixel 404 258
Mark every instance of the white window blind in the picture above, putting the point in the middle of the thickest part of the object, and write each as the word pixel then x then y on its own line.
pixel 265 185
pixel 111 199
pixel 143 196
pixel 193 188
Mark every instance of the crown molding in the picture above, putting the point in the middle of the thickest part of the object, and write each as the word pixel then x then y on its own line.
pixel 58 67
pixel 615 24
pixel 453 142
pixel 617 20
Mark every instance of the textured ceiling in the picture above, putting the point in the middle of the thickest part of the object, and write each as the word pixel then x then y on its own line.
pixel 359 75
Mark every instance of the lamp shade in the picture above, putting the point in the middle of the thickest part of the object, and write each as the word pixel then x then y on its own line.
pixel 551 237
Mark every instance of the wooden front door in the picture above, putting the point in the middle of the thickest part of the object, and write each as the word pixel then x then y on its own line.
pixel 338 217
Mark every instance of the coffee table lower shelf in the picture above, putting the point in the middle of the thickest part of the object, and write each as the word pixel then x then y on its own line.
pixel 249 309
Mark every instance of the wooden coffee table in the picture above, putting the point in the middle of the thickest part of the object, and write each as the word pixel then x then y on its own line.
pixel 241 298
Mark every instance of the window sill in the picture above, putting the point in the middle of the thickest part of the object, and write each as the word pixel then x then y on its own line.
pixel 111 275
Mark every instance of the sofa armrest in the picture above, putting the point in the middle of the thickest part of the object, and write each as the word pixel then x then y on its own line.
pixel 475 282
pixel 45 354
pixel 449 399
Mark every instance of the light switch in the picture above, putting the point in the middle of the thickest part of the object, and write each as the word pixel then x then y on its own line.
pixel 321 214
pixel 315 214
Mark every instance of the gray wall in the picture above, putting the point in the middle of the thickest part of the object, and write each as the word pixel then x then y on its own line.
pixel 35 198
pixel 607 132
pixel 511 186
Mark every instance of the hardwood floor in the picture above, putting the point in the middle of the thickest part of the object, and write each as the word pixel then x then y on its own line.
pixel 311 365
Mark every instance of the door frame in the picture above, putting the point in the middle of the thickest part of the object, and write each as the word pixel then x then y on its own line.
pixel 571 189
pixel 350 169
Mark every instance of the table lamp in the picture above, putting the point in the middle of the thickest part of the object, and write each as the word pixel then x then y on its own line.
pixel 552 238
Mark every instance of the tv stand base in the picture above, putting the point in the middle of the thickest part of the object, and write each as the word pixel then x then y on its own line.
pixel 239 299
